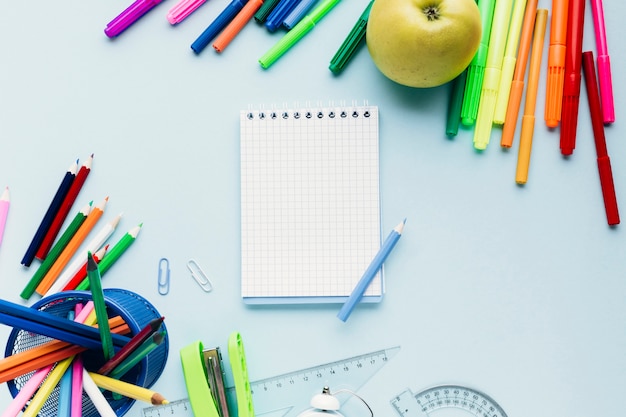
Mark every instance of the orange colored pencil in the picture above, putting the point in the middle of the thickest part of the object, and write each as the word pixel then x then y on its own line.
pixel 71 247
pixel 235 26
pixel 25 364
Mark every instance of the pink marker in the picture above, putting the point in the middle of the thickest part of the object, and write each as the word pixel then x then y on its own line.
pixel 129 16
pixel 604 63
pixel 183 9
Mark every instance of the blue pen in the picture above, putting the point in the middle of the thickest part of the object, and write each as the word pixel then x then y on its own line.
pixel 298 13
pixel 220 22
pixel 282 9
pixel 371 272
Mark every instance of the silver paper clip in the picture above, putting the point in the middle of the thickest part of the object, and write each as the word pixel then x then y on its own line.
pixel 164 276
pixel 198 274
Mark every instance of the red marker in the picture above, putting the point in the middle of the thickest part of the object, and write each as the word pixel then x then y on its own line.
pixel 604 163
pixel 571 83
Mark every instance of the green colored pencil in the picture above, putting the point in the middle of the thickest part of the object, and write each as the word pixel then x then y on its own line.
pixel 141 352
pixel 55 252
pixel 93 274
pixel 113 254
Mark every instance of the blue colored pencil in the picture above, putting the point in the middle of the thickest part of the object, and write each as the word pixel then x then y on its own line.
pixel 53 208
pixel 371 272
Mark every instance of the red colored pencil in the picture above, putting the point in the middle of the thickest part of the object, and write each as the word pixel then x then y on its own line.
pixel 66 205
pixel 82 272
pixel 130 347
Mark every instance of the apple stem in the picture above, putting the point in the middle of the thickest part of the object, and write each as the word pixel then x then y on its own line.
pixel 431 12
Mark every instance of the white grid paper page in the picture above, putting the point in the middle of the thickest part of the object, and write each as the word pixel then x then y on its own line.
pixel 310 202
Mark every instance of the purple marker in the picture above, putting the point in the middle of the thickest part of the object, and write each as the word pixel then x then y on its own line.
pixel 129 16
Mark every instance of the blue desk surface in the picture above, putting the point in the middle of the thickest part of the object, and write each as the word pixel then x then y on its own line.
pixel 516 291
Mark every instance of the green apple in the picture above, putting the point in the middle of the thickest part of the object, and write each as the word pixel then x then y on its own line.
pixel 423 43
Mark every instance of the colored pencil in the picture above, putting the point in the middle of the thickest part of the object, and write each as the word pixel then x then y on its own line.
pixel 101 310
pixel 133 344
pixel 64 209
pixel 46 324
pixel 138 354
pixel 54 206
pixel 96 396
pixel 128 390
pixel 94 245
pixel 5 203
pixel 65 393
pixel 114 254
pixel 56 250
pixel 40 361
pixel 76 408
pixel 82 272
pixel 26 392
pixel 71 248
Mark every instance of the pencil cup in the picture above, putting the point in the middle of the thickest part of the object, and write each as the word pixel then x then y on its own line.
pixel 136 313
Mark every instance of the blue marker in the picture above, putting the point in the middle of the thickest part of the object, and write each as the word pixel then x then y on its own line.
pixel 280 12
pixel 298 13
pixel 371 272
pixel 217 25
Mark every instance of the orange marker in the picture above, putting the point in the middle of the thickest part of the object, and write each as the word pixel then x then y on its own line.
pixel 71 247
pixel 556 62
pixel 517 85
pixel 528 120
pixel 235 26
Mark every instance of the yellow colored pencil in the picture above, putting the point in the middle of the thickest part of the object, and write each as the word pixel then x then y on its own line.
pixel 128 390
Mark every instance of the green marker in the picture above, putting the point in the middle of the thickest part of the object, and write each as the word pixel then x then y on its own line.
pixel 113 255
pixel 350 44
pixel 476 68
pixel 294 35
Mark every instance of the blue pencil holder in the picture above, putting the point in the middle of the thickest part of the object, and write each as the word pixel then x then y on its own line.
pixel 136 311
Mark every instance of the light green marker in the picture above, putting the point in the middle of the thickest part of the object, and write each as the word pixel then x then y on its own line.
pixel 294 35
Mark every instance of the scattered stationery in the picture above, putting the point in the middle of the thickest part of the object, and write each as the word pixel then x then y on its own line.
pixel 5 203
pixel 130 347
pixel 556 62
pixel 310 203
pixel 517 85
pixel 528 119
pixel 236 25
pixel 303 27
pixel 276 17
pixel 48 217
pixel 114 254
pixel 509 61
pixel 476 68
pixel 604 63
pixel 370 272
pixel 129 16
pixel 491 77
pixel 182 10
pixel 56 250
pixel 353 41
pixel 220 22
pixel 64 209
pixel 571 84
pixel 272 394
pixel 604 163
pixel 72 247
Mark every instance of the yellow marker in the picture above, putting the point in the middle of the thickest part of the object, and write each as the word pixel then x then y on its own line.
pixel 508 64
pixel 493 68
pixel 528 119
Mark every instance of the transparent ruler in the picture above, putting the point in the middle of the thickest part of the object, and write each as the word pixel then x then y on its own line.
pixel 289 394
pixel 430 400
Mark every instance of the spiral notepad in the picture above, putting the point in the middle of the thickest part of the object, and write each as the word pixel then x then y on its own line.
pixel 310 203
